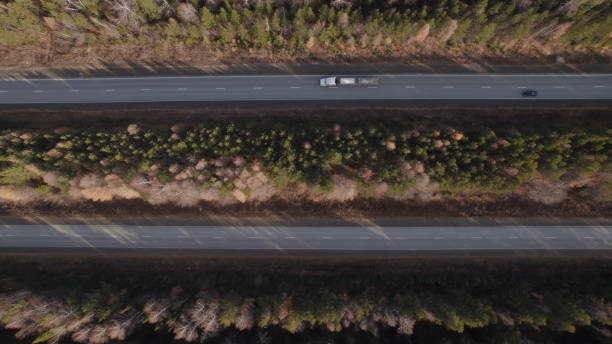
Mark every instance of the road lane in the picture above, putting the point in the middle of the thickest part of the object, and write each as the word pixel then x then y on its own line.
pixel 309 238
pixel 304 87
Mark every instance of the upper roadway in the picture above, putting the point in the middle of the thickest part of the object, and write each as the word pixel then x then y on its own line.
pixel 304 88
pixel 338 238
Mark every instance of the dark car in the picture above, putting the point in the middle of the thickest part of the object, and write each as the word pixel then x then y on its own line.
pixel 530 93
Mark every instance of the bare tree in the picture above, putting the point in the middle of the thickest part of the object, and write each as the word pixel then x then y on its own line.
pixel 75 5
pixel 156 310
pixel 82 335
pixel 186 329
pixel 99 335
pixel 165 8
pixel 522 4
pixel 569 6
pixel 245 319
pixel 124 13
pixel 406 324
pixel 122 325
pixel 188 14
pixel 205 316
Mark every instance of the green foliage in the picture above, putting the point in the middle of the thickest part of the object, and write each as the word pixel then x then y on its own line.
pixel 481 160
pixel 149 9
pixel 15 174
pixel 285 28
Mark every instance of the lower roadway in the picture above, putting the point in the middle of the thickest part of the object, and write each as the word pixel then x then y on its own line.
pixel 304 88
pixel 362 238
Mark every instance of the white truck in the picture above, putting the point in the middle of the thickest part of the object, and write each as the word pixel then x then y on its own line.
pixel 342 81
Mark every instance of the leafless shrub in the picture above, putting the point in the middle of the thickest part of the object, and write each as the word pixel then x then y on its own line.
pixel 187 13
pixel 340 3
pixel 569 6
pixel 75 5
pixel 166 9
pixel 123 13
pixel 522 4
pixel 546 191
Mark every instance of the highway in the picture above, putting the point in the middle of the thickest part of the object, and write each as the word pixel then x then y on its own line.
pixel 304 88
pixel 331 238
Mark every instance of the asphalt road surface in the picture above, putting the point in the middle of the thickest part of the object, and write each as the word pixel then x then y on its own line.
pixel 304 87
pixel 361 238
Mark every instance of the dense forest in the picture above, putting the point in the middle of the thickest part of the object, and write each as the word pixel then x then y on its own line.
pixel 97 299
pixel 317 28
pixel 242 160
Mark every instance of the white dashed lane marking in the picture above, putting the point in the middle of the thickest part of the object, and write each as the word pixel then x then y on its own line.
pixel 476 237
pixel 258 88
pixel 521 86
pixel 220 88
pixel 589 237
pixel 409 87
pixel 448 87
pixel 2 91
pixel 146 89
pixel 217 237
pixel 38 91
pixel 109 90
pixel 295 87
pixel 513 237
pixel 182 89
pixel 73 91
pixel 290 237
pixel 549 237
pixel 559 86
pixel 485 86
pixel 327 238
pixel 147 236
pixel 599 86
